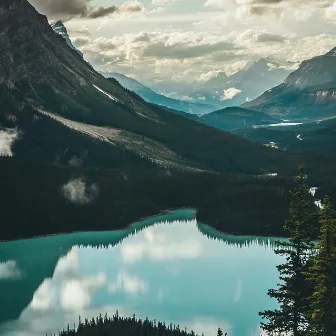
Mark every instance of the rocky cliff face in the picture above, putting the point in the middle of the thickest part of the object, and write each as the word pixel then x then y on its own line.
pixel 316 71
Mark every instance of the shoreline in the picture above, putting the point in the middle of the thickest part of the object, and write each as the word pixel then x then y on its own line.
pixel 143 222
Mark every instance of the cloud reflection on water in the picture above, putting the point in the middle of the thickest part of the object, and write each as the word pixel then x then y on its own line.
pixel 168 272
pixel 158 245
pixel 9 270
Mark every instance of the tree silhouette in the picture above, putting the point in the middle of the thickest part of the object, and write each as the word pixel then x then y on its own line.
pixel 322 274
pixel 126 326
pixel 292 294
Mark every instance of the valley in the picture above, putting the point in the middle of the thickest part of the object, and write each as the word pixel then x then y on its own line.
pixel 167 160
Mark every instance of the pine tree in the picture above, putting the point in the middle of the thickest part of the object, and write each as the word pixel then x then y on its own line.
pixel 219 332
pixel 322 274
pixel 292 292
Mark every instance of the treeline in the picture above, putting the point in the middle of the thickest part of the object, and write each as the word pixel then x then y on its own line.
pixel 307 290
pixel 32 202
pixel 126 326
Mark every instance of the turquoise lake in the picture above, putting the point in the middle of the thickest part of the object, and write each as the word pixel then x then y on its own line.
pixel 168 268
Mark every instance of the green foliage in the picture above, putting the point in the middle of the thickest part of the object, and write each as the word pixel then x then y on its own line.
pixel 322 275
pixel 292 292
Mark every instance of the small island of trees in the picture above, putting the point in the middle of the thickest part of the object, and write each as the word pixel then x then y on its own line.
pixel 126 326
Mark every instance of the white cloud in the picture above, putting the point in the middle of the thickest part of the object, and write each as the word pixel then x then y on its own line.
pixel 216 3
pixel 156 246
pixel 302 14
pixel 157 10
pixel 78 192
pixel 230 93
pixel 330 12
pixel 204 77
pixel 67 265
pixel 9 270
pixel 131 7
pixel 76 293
pixel 45 297
pixel 234 67
pixel 162 2
pixel 194 55
pixel 182 43
pixel 128 284
pixel 7 138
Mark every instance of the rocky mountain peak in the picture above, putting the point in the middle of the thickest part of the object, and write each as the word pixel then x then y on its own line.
pixel 60 29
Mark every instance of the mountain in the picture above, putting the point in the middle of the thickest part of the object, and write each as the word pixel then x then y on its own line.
pixel 232 118
pixel 135 86
pixel 66 112
pixel 309 92
pixel 152 97
pixel 60 29
pixel 242 86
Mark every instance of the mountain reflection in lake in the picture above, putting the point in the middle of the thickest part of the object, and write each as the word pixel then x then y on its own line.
pixel 170 271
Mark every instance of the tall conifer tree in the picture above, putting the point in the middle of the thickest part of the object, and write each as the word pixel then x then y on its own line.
pixel 322 274
pixel 292 292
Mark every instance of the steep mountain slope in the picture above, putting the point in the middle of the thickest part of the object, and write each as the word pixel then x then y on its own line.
pixel 244 85
pixel 232 118
pixel 135 86
pixel 60 29
pixel 309 92
pixel 49 91
pixel 152 97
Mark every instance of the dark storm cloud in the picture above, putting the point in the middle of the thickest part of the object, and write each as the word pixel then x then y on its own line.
pixel 67 9
pixel 101 11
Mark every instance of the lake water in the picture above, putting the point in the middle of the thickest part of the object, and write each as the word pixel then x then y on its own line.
pixel 168 268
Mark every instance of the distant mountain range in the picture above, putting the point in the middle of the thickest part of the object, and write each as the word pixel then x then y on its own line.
pixel 309 92
pixel 155 98
pixel 66 111
pixel 243 85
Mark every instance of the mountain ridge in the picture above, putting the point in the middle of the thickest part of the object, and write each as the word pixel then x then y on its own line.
pixel 50 88
pixel 308 92
pixel 155 98
pixel 248 83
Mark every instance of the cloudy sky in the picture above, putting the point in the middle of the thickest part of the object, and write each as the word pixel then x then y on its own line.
pixel 191 40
